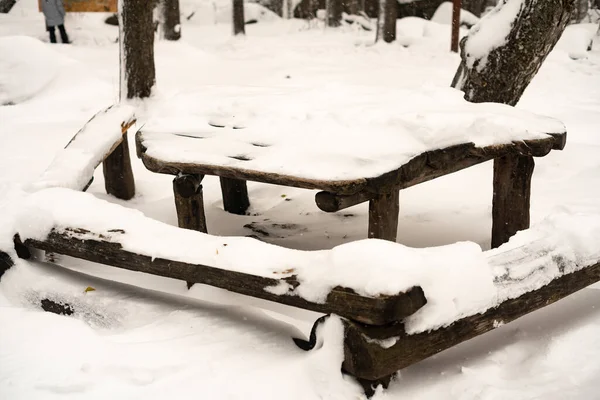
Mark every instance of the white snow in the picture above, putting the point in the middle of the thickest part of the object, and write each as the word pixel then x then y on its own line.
pixel 491 32
pixel 577 39
pixel 74 166
pixel 443 15
pixel 156 339
pixel 369 133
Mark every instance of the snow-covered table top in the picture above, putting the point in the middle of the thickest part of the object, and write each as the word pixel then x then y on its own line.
pixel 295 138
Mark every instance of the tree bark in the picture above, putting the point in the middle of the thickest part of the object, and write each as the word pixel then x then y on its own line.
pixel 169 19
pixel 334 13
pixel 136 47
pixel 386 22
pixel 503 74
pixel 238 17
pixel 6 5
pixel 456 4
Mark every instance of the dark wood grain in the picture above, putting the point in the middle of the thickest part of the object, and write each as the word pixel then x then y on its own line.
pixel 235 195
pixel 189 202
pixel 380 310
pixel 512 194
pixel 368 360
pixel 332 202
pixel 383 216
pixel 118 175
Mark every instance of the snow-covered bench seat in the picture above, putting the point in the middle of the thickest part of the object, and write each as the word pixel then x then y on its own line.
pixel 406 306
pixel 103 139
pixel 351 161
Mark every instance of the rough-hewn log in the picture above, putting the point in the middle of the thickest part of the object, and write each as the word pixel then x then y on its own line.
pixel 118 175
pixel 189 202
pixel 6 5
pixel 136 47
pixel 383 216
pixel 238 17
pixel 503 74
pixel 169 19
pixel 369 310
pixel 422 168
pixel 364 358
pixel 386 21
pixel 512 194
pixel 334 13
pixel 235 196
pixel 5 262
pixel 331 202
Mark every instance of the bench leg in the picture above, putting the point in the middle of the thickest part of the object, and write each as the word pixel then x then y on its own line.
pixel 512 193
pixel 189 202
pixel 235 195
pixel 118 175
pixel 383 216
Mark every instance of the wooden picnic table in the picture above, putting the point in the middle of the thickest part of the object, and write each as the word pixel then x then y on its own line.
pixel 513 169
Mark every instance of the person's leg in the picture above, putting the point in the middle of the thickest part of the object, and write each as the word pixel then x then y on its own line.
pixel 50 30
pixel 63 34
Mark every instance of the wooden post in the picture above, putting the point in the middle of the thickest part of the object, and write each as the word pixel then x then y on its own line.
pixel 456 4
pixel 512 193
pixel 383 216
pixel 238 17
pixel 189 202
pixel 118 175
pixel 235 195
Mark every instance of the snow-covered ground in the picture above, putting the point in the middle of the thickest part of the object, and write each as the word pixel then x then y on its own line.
pixel 156 339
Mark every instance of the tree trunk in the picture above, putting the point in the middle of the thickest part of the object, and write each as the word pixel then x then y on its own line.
pixel 136 47
pixel 386 22
pixel 169 19
pixel 475 7
pixel 238 17
pixel 334 13
pixel 6 5
pixel 581 11
pixel 501 74
pixel 456 4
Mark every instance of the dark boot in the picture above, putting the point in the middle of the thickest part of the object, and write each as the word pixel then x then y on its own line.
pixel 63 34
pixel 52 33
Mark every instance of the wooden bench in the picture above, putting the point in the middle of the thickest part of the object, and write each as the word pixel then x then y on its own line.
pixel 526 275
pixel 234 156
pixel 103 139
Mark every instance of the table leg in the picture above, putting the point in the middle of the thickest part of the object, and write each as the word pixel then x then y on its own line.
pixel 235 195
pixel 189 202
pixel 383 216
pixel 512 193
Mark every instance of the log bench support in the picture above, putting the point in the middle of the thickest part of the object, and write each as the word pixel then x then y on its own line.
pixel 383 216
pixel 189 202
pixel 118 175
pixel 235 195
pixel 512 194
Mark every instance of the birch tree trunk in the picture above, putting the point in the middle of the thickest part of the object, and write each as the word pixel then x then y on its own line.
pixel 136 49
pixel 500 70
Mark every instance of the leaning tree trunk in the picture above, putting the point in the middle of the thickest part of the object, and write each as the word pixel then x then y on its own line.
pixel 386 22
pixel 136 47
pixel 238 17
pixel 499 72
pixel 6 5
pixel 169 19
